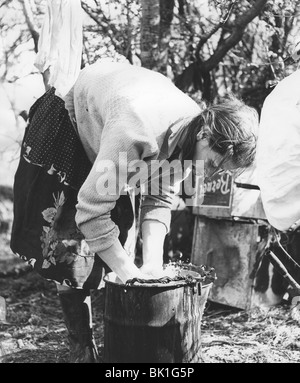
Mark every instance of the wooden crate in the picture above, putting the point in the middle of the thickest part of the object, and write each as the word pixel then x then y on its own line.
pixel 225 198
pixel 230 247
pixel 226 237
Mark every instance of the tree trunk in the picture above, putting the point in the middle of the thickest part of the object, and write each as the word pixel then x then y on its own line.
pixel 150 26
pixel 166 17
pixel 35 35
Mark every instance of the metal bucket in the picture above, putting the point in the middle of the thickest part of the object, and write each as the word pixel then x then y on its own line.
pixel 154 322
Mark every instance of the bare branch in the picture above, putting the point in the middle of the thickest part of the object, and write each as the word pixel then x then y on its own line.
pixel 236 34
pixel 214 29
pixel 283 271
pixel 5 3
pixel 30 23
pixel 102 21
pixel 99 17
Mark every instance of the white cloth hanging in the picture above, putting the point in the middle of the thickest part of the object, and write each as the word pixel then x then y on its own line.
pixel 278 153
pixel 60 44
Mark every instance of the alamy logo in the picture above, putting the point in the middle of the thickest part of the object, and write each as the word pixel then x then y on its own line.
pixel 152 177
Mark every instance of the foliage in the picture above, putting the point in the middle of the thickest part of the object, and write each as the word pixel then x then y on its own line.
pixel 207 47
pixel 111 30
pixel 16 40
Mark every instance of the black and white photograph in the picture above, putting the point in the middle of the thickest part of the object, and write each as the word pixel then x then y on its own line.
pixel 150 184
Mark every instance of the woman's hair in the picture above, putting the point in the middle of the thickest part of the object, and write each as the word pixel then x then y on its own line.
pixel 230 128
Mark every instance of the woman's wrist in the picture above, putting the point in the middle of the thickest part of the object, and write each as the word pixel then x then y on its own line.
pixel 120 263
pixel 153 234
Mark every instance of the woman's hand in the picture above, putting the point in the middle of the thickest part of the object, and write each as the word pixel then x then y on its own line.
pixel 116 258
pixel 120 263
pixel 153 272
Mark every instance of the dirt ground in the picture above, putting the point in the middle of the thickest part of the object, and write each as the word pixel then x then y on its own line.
pixel 35 332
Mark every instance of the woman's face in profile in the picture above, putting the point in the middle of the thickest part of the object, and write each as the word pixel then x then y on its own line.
pixel 212 162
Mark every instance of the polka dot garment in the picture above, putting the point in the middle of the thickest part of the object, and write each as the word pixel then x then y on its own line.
pixel 51 141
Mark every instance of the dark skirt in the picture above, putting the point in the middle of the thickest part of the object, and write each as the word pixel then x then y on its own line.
pixel 53 165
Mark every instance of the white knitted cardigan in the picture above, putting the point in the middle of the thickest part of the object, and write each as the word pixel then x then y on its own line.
pixel 121 108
